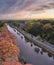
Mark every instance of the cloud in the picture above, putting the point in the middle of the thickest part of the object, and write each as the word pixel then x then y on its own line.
pixel 12 6
pixel 16 5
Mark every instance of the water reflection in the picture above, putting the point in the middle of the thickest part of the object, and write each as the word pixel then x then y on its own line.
pixel 44 50
pixel 21 37
pixel 49 54
pixel 41 52
pixel 28 52
pixel 31 44
pixel 53 57
pixel 18 33
pixel 14 29
pixel 36 50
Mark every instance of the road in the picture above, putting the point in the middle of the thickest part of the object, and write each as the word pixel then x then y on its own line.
pixel 42 43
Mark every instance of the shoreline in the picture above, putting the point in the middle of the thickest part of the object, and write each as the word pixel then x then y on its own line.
pixel 36 42
pixel 9 51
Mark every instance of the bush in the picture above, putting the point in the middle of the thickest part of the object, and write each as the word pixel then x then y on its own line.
pixel 22 60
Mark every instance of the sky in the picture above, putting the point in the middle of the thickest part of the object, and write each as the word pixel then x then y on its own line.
pixel 26 9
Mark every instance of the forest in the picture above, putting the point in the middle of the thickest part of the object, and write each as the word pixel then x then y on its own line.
pixel 42 28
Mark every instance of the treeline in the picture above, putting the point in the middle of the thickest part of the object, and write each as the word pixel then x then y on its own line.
pixel 1 25
pixel 15 22
pixel 41 28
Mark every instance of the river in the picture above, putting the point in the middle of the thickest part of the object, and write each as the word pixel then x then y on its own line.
pixel 27 50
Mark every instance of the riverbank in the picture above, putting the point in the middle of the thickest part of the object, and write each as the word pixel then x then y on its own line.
pixel 41 44
pixel 29 53
pixel 9 51
pixel 48 47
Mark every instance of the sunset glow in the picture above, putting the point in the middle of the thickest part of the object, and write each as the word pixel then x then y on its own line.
pixel 26 9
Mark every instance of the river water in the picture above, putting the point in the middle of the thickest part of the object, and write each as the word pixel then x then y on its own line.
pixel 27 50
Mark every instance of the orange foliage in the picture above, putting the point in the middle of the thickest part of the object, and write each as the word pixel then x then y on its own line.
pixel 8 49
pixel 17 63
